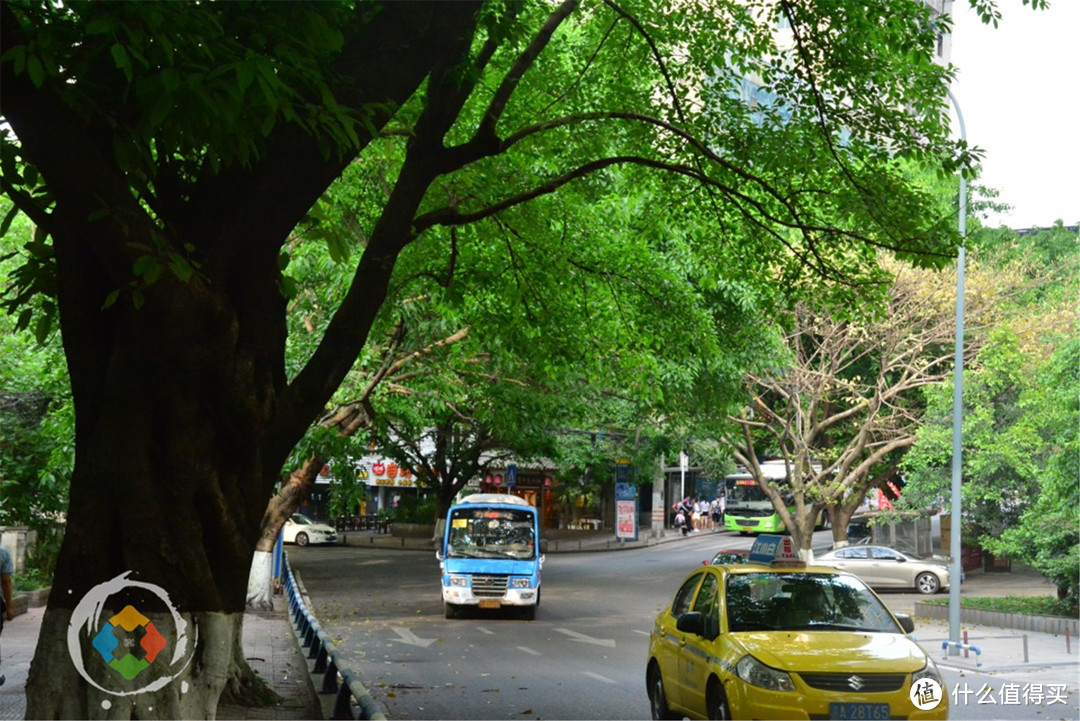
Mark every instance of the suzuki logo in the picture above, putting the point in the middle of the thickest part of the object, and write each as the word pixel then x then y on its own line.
pixel 855 683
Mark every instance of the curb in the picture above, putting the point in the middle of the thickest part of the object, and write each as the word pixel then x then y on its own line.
pixel 334 702
pixel 25 600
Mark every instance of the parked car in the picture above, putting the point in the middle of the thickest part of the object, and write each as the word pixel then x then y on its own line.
pixel 729 556
pixel 301 530
pixel 858 530
pixel 882 567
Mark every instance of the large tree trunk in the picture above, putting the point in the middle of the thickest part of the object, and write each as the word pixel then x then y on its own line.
pixel 169 480
pixel 842 514
pixel 802 531
pixel 184 414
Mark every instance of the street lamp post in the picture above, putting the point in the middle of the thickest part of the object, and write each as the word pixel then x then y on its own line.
pixel 958 386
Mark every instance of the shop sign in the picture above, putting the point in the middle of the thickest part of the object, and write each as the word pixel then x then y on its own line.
pixel 388 473
pixel 626 520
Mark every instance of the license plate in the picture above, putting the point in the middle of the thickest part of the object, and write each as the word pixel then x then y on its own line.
pixel 858 711
pixel 490 604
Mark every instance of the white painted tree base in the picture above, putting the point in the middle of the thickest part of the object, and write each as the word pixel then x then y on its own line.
pixel 260 590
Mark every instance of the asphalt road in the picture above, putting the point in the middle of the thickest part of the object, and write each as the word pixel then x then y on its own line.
pixel 582 658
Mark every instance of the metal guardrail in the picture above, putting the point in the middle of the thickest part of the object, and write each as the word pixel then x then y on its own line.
pixel 367 522
pixel 351 699
pixel 968 647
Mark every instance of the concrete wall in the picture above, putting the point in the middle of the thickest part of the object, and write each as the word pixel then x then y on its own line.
pixel 1020 621
pixel 17 540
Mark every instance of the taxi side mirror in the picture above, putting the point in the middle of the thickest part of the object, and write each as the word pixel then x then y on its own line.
pixel 691 622
pixel 905 622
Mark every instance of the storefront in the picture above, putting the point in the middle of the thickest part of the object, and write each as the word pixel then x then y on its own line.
pixel 535 486
pixel 385 483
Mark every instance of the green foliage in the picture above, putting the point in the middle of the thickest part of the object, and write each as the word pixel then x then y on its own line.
pixel 590 205
pixel 1033 605
pixel 413 509
pixel 336 451
pixel 988 12
pixel 1020 464
pixel 36 421
pixel 221 76
pixel 1047 534
pixel 30 579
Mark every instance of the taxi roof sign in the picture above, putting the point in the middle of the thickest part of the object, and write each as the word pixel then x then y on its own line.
pixel 775 551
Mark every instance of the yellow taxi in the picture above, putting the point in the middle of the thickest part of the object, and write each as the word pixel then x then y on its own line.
pixel 777 639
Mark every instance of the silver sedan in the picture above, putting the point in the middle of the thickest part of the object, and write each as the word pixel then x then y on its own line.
pixel 883 567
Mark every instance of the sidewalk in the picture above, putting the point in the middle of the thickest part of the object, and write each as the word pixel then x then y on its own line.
pixel 269 646
pixel 272 650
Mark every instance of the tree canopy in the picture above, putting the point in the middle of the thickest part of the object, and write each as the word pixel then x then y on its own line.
pixel 1019 430
pixel 167 151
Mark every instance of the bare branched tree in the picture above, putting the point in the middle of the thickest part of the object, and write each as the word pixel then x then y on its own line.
pixel 848 401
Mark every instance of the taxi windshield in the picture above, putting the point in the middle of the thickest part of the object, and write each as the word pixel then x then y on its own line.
pixel 796 601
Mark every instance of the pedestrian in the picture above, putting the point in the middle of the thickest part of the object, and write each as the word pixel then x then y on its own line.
pixel 684 506
pixel 7 602
pixel 680 520
pixel 717 515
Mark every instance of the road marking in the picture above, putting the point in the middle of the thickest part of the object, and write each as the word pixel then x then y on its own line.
pixel 643 633
pixel 488 631
pixel 407 636
pixel 529 651
pixel 582 638
pixel 598 677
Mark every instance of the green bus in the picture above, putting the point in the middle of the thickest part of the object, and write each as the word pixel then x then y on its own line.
pixel 746 507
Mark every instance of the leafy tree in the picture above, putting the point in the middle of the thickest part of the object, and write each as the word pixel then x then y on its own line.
pixel 167 151
pixel 1047 534
pixel 36 425
pixel 1016 396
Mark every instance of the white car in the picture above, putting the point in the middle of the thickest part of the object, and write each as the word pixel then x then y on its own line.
pixel 301 530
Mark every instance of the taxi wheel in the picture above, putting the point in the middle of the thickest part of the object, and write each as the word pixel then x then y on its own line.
pixel 927 582
pixel 716 701
pixel 657 700
pixel 301 539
